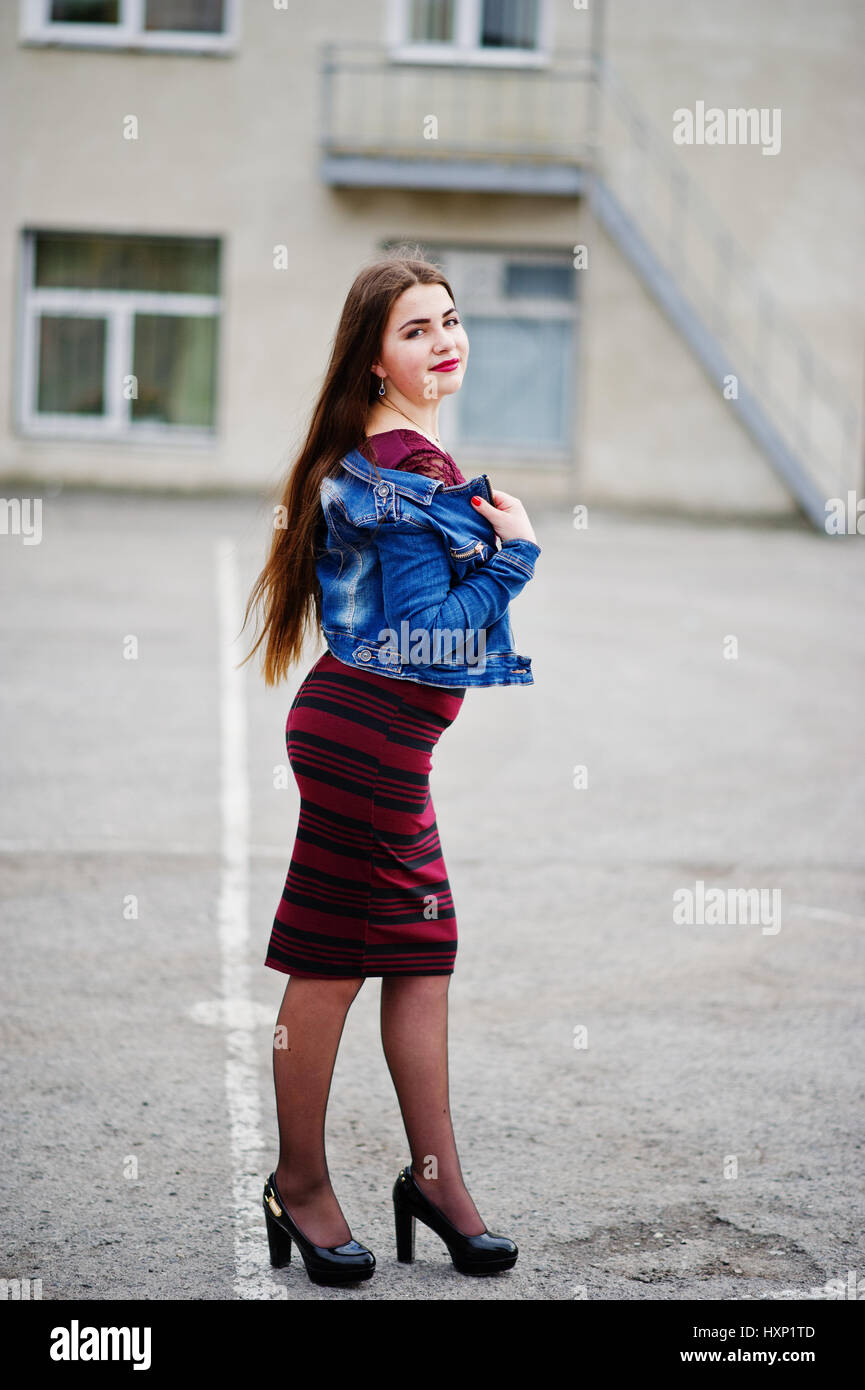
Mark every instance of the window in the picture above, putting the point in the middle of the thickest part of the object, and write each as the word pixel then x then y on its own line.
pixel 519 309
pixel 492 32
pixel 204 25
pixel 509 23
pixel 432 21
pixel 120 336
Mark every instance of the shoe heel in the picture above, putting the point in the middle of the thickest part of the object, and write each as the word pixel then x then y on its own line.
pixel 404 1222
pixel 279 1242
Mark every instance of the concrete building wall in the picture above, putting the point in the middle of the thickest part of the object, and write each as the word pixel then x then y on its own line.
pixel 228 147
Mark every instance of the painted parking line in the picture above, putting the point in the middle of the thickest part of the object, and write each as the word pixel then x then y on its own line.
pixel 253 1278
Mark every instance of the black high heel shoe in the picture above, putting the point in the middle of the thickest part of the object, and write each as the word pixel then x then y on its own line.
pixel 481 1254
pixel 335 1264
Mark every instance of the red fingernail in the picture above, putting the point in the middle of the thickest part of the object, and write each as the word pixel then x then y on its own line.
pixel 476 501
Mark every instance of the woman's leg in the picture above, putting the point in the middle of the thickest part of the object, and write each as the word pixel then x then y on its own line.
pixel 306 1039
pixel 414 1033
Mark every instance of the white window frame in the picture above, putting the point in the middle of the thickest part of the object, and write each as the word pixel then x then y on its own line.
pixel 457 260
pixel 466 48
pixel 118 307
pixel 36 27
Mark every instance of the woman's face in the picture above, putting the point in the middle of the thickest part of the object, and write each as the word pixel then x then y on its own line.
pixel 422 341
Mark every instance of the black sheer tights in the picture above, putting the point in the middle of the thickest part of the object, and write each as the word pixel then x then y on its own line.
pixel 414 1036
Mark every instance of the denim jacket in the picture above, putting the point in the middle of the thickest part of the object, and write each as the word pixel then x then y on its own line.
pixel 412 584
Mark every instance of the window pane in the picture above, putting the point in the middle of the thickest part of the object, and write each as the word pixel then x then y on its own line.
pixel 515 389
pixel 192 16
pixel 175 363
pixel 432 21
pixel 70 261
pixel 509 24
pixel 539 281
pixel 84 11
pixel 71 364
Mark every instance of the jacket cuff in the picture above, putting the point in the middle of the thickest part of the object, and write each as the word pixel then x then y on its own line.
pixel 521 553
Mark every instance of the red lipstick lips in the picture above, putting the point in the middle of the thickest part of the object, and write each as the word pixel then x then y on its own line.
pixel 449 366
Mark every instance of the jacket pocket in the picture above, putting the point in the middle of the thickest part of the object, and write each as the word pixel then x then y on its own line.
pixel 466 555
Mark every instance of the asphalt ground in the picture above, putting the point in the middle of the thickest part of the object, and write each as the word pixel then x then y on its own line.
pixel 653 1109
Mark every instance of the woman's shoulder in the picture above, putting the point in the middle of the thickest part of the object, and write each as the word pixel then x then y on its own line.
pixel 410 450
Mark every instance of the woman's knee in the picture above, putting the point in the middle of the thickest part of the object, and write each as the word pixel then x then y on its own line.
pixel 337 990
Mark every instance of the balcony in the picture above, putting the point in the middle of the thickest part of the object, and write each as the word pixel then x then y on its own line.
pixel 395 123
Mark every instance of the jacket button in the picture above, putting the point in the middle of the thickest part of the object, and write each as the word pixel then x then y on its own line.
pixel 382 491
pixel 364 654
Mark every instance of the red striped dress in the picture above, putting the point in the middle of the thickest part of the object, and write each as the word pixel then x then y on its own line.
pixel 367 890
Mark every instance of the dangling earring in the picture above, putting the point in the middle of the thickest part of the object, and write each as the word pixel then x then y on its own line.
pixel 381 388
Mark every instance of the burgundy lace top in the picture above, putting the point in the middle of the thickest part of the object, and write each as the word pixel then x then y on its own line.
pixel 413 451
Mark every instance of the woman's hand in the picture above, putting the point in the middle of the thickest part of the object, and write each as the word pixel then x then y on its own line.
pixel 508 517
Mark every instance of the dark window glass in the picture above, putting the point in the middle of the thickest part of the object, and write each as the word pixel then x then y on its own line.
pixel 84 11
pixel 190 16
pixel 432 21
pixel 539 281
pixel 71 364
pixel 175 366
pixel 75 261
pixel 509 24
pixel 180 16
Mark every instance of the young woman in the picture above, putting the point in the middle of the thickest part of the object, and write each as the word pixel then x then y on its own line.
pixel 377 523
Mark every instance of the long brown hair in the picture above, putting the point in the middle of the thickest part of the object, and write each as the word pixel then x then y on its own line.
pixel 287 590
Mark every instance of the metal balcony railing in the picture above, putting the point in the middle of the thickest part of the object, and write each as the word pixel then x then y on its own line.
pixel 373 105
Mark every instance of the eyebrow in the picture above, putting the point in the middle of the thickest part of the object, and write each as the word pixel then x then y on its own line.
pixel 451 310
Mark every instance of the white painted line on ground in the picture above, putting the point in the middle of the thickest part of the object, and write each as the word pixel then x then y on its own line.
pixel 253 1277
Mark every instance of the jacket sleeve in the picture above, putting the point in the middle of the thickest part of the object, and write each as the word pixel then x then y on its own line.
pixel 473 603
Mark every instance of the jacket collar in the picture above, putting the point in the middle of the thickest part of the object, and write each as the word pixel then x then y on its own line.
pixel 415 485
